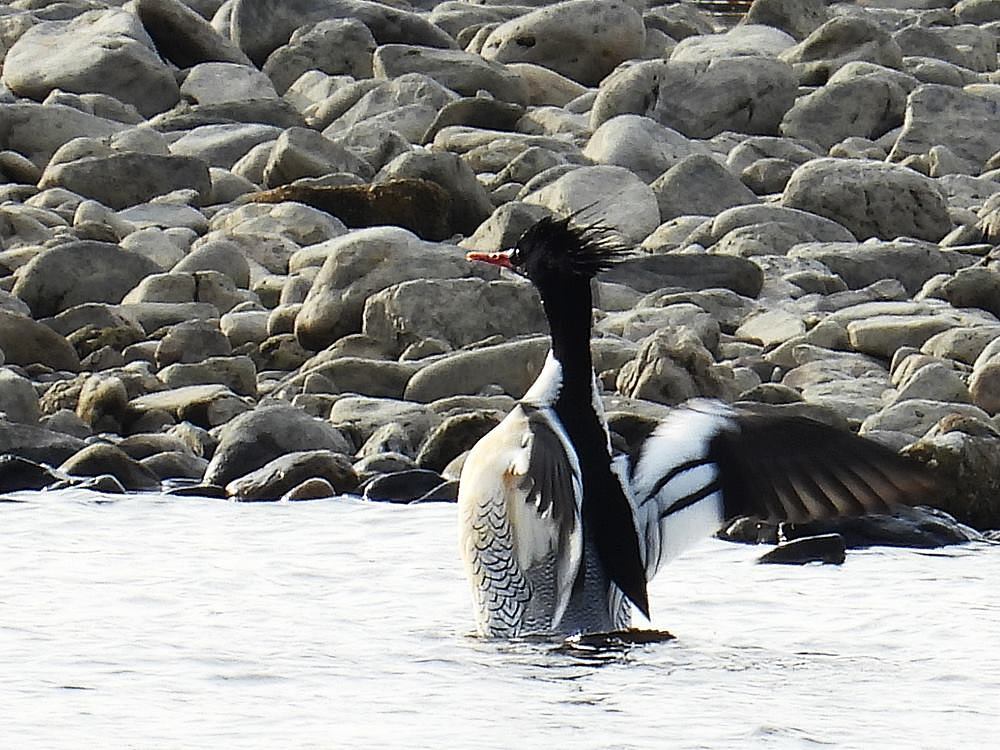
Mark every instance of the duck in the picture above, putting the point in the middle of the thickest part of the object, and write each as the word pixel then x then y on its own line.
pixel 560 534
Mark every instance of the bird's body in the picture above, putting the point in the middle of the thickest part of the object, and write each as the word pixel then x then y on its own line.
pixel 560 536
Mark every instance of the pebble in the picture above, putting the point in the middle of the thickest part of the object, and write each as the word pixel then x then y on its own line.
pixel 260 229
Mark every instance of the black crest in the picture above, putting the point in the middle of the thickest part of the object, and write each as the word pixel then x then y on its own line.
pixel 559 246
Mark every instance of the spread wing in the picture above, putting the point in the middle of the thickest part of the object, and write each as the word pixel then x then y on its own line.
pixel 706 464
pixel 521 538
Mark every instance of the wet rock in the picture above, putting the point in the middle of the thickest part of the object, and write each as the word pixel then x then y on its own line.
pixel 402 486
pixel 870 199
pixel 513 366
pixel 410 312
pixel 828 549
pixel 920 527
pixel 36 443
pixel 315 488
pixel 938 115
pixel 202 490
pixel 175 465
pixel 581 39
pixel 259 28
pixel 764 90
pixel 647 274
pixel 454 435
pixel 341 46
pixel 283 474
pixel 611 195
pixel 101 458
pixel 253 439
pixel 419 205
pixel 25 342
pixel 183 37
pixel 699 185
pixel 463 72
pixel 750 530
pixel 354 270
pixel 126 179
pixel 841 40
pixel 17 474
pixel 100 51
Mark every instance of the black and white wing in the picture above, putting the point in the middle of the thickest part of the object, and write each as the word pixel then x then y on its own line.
pixel 520 532
pixel 707 463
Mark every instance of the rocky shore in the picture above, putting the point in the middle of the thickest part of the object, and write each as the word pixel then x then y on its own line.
pixel 232 234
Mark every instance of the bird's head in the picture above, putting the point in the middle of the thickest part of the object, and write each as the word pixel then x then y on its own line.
pixel 557 251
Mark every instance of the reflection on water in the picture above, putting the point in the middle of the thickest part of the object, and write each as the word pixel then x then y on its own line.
pixel 155 622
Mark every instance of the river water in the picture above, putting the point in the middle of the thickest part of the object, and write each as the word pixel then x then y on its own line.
pixel 153 622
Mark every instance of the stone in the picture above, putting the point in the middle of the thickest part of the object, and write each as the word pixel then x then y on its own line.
pixel 772 327
pixel 257 437
pixel 964 45
pixel 175 465
pixel 103 403
pixel 78 272
pixel 641 145
pixel 261 26
pixel 311 489
pixel 18 474
pixel 183 37
pixel 223 83
pixel 99 51
pixel 799 224
pixel 18 400
pixel 192 341
pixel 285 473
pixel 119 180
pixel 977 11
pixel 869 198
pixel 363 416
pixel 354 270
pixel 410 312
pixel 362 375
pixel 470 204
pixel 546 88
pixel 768 176
pixel 841 40
pixel 463 72
pixel 865 106
pixel 338 46
pixel 456 434
pixel 610 195
pixel 919 527
pixel 224 145
pixel 102 458
pixel 36 443
pixel 301 152
pixel 688 271
pixel 882 335
pixel 699 184
pixel 238 373
pixel 937 115
pixel 402 486
pixel 245 327
pixel 976 286
pixel 476 111
pixel 725 94
pixel 916 416
pixel 859 265
pixel 298 223
pixel 963 344
pixel 984 387
pixel 740 41
pixel 581 39
pixel 217 255
pixel 750 150
pixel 513 366
pixel 504 227
pixel 828 549
pixel 799 18
pixel 38 131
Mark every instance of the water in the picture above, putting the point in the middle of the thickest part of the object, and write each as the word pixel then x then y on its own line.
pixel 149 622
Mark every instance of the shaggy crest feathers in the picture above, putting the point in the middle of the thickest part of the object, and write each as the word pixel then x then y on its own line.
pixel 559 245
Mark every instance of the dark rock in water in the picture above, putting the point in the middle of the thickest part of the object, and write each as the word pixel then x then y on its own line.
pixel 419 205
pixel 103 458
pixel 37 443
pixel 920 527
pixel 828 549
pixel 652 272
pixel 254 438
pixel 750 530
pixel 104 483
pixel 402 486
pixel 212 491
pixel 454 435
pixel 18 473
pixel 446 492
pixel 176 465
pixel 283 474
pixel 311 489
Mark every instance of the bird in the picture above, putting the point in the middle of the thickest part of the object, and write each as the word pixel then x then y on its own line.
pixel 560 534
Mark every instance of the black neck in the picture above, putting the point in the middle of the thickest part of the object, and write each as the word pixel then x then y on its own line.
pixel 607 513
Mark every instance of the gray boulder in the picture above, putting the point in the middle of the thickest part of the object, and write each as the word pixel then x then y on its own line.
pixel 225 83
pixel 183 37
pixel 839 41
pixel 798 18
pixel 102 459
pixel 641 145
pixel 36 443
pixel 699 185
pixel 99 51
pixel 338 46
pixel 746 95
pixel 741 41
pixel 284 473
pixel 78 272
pixel 223 145
pixel 965 45
pixel 302 152
pixel 870 198
pixel 18 400
pixel 581 39
pixel 38 131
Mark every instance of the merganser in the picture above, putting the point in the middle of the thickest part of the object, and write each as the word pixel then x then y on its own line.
pixel 559 536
